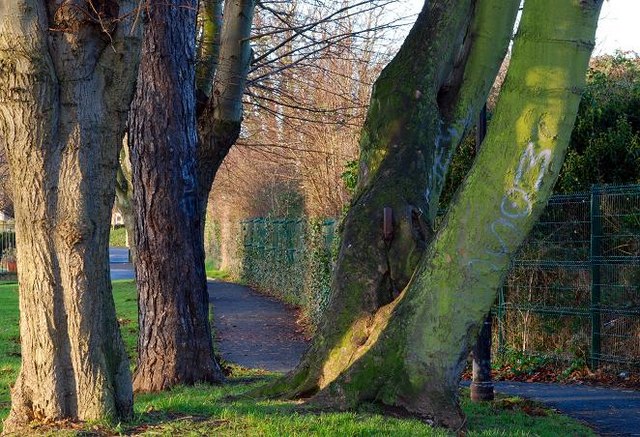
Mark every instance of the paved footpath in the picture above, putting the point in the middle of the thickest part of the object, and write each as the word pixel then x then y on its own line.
pixel 608 411
pixel 259 332
pixel 253 330
pixel 121 268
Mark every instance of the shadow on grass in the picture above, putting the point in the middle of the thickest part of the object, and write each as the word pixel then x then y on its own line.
pixel 227 411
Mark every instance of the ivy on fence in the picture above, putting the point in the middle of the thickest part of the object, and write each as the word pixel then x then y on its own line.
pixel 573 291
pixel 290 259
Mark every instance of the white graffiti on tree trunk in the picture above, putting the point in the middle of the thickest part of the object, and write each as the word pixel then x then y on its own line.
pixel 446 141
pixel 516 204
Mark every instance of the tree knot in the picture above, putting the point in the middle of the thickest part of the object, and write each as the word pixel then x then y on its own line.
pixel 71 16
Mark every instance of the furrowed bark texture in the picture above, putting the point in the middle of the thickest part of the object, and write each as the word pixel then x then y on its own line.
pixel 421 105
pixel 174 344
pixel 224 59
pixel 65 87
pixel 421 340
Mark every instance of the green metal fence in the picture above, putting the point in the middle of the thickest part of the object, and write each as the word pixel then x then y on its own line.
pixel 574 287
pixel 573 290
pixel 283 238
pixel 265 237
pixel 291 259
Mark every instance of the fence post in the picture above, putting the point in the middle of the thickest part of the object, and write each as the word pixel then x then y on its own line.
pixel 595 258
pixel 481 385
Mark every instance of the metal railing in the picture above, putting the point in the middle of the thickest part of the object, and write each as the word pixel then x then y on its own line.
pixel 8 262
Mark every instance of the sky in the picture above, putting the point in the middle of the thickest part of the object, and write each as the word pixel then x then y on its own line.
pixel 618 27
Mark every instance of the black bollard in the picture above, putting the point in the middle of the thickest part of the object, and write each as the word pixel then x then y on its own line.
pixel 481 384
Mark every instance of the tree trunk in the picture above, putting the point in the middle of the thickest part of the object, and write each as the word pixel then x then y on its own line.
pixel 65 87
pixel 219 123
pixel 421 106
pixel 209 28
pixel 219 90
pixel 420 342
pixel 175 344
pixel 124 196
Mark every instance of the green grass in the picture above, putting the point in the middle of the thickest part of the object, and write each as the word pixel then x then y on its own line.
pixel 214 273
pixel 207 410
pixel 9 342
pixel 118 237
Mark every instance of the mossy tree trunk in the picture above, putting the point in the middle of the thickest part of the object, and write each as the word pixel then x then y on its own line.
pixel 421 106
pixel 226 58
pixel 66 80
pixel 419 343
pixel 175 344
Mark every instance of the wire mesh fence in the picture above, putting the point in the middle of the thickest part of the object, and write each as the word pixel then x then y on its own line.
pixel 283 238
pixel 574 287
pixel 573 290
pixel 291 259
pixel 273 237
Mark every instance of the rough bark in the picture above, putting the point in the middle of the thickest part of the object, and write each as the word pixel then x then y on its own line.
pixel 422 103
pixel 175 343
pixel 65 87
pixel 224 58
pixel 420 342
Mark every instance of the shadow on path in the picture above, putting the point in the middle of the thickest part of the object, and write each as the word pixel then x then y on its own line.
pixel 258 332
pixel 254 331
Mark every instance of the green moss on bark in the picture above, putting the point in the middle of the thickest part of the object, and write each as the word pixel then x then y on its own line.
pixel 405 146
pixel 435 321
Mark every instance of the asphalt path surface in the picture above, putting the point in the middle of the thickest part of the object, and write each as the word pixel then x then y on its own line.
pixel 254 331
pixel 608 411
pixel 251 330
pixel 258 332
pixel 119 263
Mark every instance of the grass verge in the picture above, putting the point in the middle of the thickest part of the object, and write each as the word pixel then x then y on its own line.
pixel 208 410
pixel 118 237
pixel 214 273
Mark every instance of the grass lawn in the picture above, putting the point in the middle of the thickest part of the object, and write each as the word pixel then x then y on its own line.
pixel 118 237
pixel 214 273
pixel 206 410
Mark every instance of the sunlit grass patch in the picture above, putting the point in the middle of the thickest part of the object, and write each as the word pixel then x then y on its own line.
pixel 225 411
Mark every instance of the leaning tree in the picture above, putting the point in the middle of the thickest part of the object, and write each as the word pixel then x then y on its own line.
pixel 407 302
pixel 67 73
